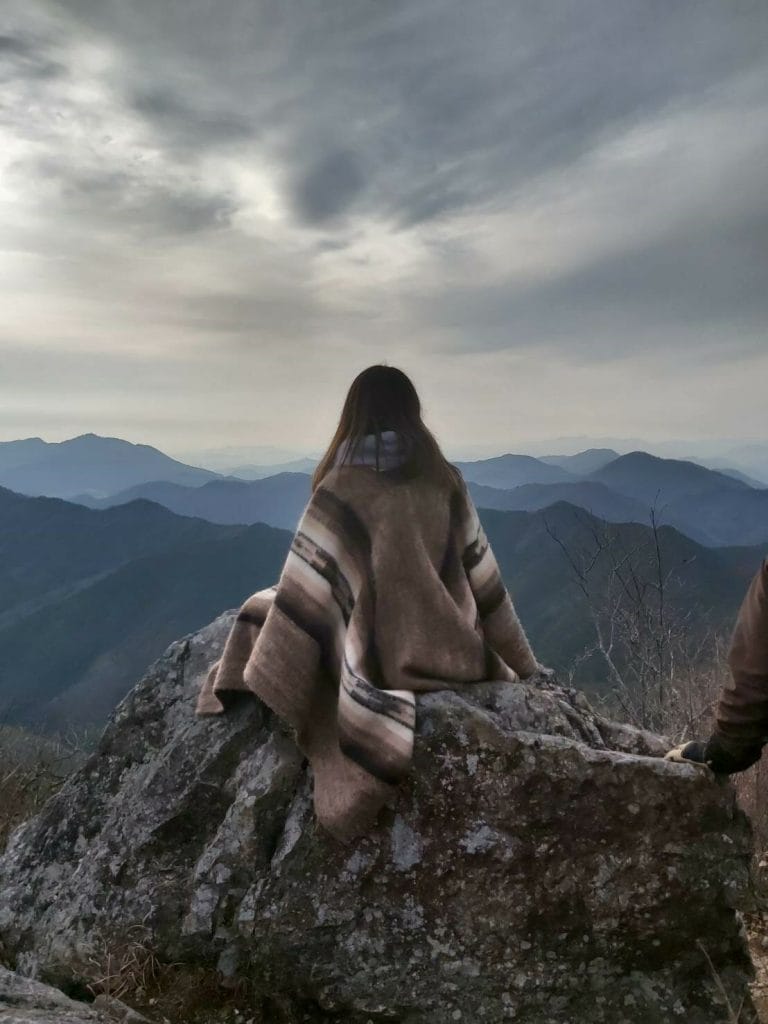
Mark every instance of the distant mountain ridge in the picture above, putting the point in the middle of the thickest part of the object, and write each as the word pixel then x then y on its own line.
pixel 251 472
pixel 110 588
pixel 583 462
pixel 88 463
pixel 277 500
pixel 22 452
pixel 645 477
pixel 508 471
pixel 590 495
pixel 87 596
pixel 709 588
pixel 713 507
pixel 72 661
pixel 49 547
pixel 723 467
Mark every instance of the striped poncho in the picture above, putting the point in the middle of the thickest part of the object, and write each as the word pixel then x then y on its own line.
pixel 390 588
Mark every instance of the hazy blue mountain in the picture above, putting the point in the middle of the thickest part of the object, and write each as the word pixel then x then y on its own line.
pixel 645 477
pixel 223 460
pixel 103 616
pixel 93 464
pixel 750 458
pixel 19 453
pixel 50 547
pixel 259 472
pixel 277 500
pixel 583 462
pixel 96 465
pixel 710 586
pixel 719 518
pixel 744 455
pixel 712 507
pixel 88 596
pixel 744 478
pixel 723 467
pixel 508 471
pixel 596 498
pixel 74 660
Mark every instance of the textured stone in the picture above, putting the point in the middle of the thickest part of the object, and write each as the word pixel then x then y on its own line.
pixel 117 1010
pixel 541 864
pixel 25 1001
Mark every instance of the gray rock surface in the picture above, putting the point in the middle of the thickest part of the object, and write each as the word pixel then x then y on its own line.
pixel 541 865
pixel 25 1001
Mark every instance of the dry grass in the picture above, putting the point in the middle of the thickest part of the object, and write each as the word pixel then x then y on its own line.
pixel 174 992
pixel 32 768
pixel 119 969
pixel 733 1013
pixel 187 995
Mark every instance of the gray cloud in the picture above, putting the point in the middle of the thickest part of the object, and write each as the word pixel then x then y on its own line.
pixel 446 105
pixel 328 187
pixel 124 200
pixel 699 289
pixel 14 46
pixel 189 124
pixel 475 180
pixel 26 56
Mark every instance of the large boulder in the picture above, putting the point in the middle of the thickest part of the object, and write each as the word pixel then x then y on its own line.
pixel 541 865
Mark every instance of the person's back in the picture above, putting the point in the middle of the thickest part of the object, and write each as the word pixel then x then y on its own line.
pixel 427 627
pixel 390 587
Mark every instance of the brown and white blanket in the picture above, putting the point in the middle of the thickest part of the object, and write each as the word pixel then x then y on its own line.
pixel 390 588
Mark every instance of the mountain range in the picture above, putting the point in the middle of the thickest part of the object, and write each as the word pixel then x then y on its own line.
pixel 713 507
pixel 88 597
pixel 277 500
pixel 52 547
pixel 135 548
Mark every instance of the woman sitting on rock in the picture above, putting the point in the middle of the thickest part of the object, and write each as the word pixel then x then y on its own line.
pixel 390 588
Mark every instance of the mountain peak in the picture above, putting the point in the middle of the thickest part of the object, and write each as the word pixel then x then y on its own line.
pixel 91 438
pixel 92 463
pixel 646 478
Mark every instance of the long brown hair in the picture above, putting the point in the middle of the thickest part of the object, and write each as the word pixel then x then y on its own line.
pixel 383 398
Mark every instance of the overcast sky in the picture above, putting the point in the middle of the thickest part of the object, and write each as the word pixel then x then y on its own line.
pixel 552 215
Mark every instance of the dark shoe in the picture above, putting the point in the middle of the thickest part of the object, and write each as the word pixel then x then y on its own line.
pixel 729 759
pixel 715 756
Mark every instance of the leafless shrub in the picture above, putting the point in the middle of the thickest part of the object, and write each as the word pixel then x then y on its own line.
pixel 664 669
pixel 32 768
